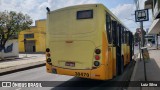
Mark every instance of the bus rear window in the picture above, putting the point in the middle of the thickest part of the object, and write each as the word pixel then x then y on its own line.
pixel 85 14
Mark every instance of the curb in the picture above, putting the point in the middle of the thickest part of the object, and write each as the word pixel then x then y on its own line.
pixel 134 73
pixel 135 67
pixel 22 67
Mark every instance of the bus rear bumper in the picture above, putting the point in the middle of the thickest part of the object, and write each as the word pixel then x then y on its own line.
pixel 98 73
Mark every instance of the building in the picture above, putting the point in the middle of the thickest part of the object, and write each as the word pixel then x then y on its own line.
pixel 155 26
pixel 33 40
pixel 150 39
pixel 155 6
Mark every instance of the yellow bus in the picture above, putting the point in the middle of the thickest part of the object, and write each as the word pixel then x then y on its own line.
pixel 87 41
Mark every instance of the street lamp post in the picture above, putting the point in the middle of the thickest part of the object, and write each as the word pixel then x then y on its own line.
pixel 25 41
pixel 142 45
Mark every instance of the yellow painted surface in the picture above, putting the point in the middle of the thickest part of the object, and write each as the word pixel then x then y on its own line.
pixel 39 32
pixel 110 65
pixel 105 54
pixel 128 54
pixel 124 47
pixel 48 68
pixel 93 74
pixel 114 61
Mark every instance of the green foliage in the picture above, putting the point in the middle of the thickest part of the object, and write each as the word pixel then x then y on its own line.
pixel 11 23
pixel 137 37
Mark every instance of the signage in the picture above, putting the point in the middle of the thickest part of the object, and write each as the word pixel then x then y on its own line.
pixel 141 15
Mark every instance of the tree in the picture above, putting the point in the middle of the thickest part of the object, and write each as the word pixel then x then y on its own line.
pixel 137 37
pixel 11 23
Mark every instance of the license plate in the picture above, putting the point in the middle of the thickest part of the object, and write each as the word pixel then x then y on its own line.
pixel 71 64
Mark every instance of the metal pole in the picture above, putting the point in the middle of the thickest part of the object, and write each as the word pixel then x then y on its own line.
pixel 142 35
pixel 157 40
pixel 140 49
pixel 142 45
pixel 25 41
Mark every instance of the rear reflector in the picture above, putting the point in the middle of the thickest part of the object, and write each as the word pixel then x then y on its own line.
pixel 97 75
pixel 94 67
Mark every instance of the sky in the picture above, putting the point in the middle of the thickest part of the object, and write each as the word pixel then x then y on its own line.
pixel 123 9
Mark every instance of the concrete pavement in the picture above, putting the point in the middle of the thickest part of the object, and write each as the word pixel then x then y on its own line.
pixel 24 61
pixel 152 70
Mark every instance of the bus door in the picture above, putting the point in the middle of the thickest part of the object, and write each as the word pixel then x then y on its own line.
pixel 124 46
pixel 110 45
pixel 119 59
pixel 115 45
pixel 118 49
pixel 130 44
pixel 121 42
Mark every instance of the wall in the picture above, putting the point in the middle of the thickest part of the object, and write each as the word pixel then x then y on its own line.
pixel 11 49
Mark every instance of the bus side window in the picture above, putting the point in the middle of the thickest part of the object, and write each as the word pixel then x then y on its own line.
pixel 122 35
pixel 125 36
pixel 117 34
pixel 114 27
pixel 128 41
pixel 108 28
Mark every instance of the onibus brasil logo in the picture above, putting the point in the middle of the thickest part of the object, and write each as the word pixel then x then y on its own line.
pixel 21 84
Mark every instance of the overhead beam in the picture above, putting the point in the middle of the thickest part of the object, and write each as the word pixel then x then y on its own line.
pixel 148 4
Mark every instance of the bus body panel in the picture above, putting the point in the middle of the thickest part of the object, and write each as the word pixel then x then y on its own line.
pixel 80 53
pixel 105 53
pixel 97 73
pixel 124 54
pixel 48 68
pixel 110 61
pixel 73 40
pixel 128 54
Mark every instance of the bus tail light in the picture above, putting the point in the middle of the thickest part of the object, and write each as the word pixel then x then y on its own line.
pixel 97 57
pixel 48 54
pixel 97 51
pixel 96 63
pixel 48 60
pixel 47 50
